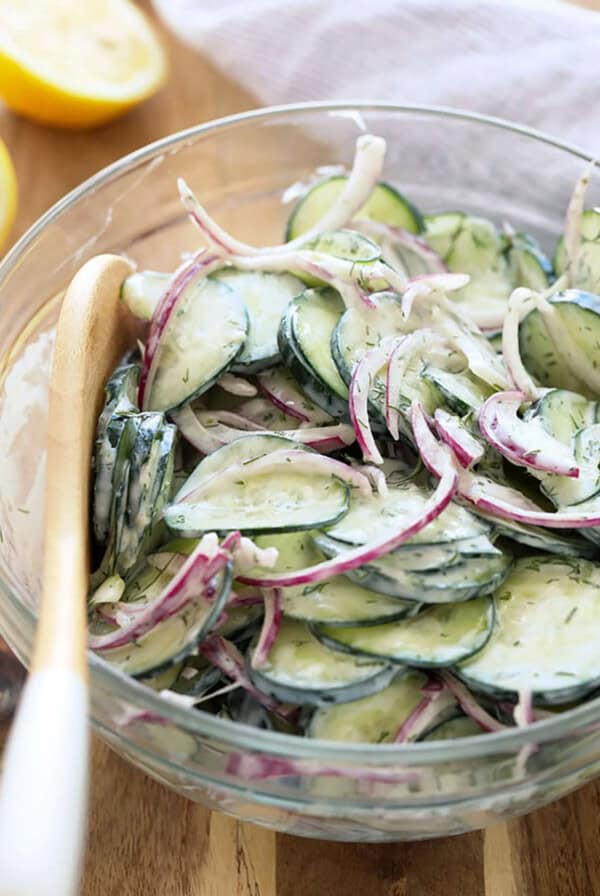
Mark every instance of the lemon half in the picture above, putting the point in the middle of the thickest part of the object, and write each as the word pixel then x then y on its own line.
pixel 76 63
pixel 8 194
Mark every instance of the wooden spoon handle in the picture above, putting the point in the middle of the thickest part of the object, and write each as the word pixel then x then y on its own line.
pixel 44 782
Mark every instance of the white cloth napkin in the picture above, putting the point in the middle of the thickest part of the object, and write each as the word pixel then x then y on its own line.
pixel 535 62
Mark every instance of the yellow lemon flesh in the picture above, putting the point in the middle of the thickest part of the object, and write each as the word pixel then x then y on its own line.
pixel 76 63
pixel 8 194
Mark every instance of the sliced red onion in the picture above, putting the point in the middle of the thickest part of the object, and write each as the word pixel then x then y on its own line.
pixel 209 430
pixel 302 461
pixel 183 276
pixel 430 709
pixel 188 584
pixel 364 554
pixel 514 438
pixel 523 711
pixel 207 439
pixel 401 357
pixel 455 434
pixel 254 767
pixel 397 236
pixel 434 455
pixel 519 304
pixel 366 171
pixel 376 477
pixel 282 391
pixel 247 555
pixel 360 385
pixel 261 412
pixel 481 357
pixel 572 236
pixel 244 600
pixel 226 657
pixel 237 385
pixel 270 627
pixel 425 286
pixel 469 704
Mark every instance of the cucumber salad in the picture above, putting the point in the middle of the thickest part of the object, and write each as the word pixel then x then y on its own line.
pixel 348 486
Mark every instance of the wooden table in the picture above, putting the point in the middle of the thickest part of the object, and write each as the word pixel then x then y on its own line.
pixel 144 840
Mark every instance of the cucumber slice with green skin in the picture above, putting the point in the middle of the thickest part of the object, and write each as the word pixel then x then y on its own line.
pixel 586 273
pixel 463 391
pixel 240 619
pixel 304 340
pixel 453 729
pixel 551 541
pixel 172 640
pixel 203 337
pixel 579 315
pixel 299 669
pixel 563 413
pixel 122 432
pixel 242 450
pixel 121 398
pixel 541 642
pixel 373 517
pixel 151 462
pixel 334 602
pixel 143 290
pixel 357 332
pixel 374 719
pixel 346 244
pixel 385 204
pixel 462 581
pixel 528 263
pixel 255 504
pixel 437 636
pixel 564 491
pixel 266 297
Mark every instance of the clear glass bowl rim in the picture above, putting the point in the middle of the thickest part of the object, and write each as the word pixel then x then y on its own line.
pixel 236 734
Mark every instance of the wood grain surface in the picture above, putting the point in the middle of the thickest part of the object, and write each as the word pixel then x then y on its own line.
pixel 146 841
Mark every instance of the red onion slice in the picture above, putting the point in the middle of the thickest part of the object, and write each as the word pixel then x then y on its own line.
pixel 455 434
pixel 360 386
pixel 429 710
pixel 526 444
pixel 364 554
pixel 189 583
pixel 469 704
pixel 270 627
pixel 282 391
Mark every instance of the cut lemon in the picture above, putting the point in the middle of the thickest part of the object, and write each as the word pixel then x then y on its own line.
pixel 76 63
pixel 8 194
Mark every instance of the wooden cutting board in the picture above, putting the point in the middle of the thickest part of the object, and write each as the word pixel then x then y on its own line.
pixel 144 840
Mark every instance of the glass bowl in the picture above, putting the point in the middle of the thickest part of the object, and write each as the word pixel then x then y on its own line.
pixel 242 168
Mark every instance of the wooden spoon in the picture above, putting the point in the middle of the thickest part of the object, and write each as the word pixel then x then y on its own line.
pixel 43 792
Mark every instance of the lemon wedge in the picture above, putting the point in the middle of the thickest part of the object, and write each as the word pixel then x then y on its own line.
pixel 76 63
pixel 8 194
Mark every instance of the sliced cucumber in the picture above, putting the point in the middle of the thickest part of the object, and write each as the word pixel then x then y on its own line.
pixel 240 451
pixel 175 638
pixel 299 669
pixel 586 272
pixel 266 297
pixel 551 541
pixel 564 491
pixel 305 345
pixel 385 204
pixel 152 463
pixel 437 636
pixel 541 642
pixel 579 316
pixel 204 335
pixel 358 331
pixel 462 390
pixel 528 263
pixel 334 602
pixel 121 398
pixel 300 500
pixel 563 413
pixel 374 719
pixel 372 517
pixel 467 579
pixel 143 290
